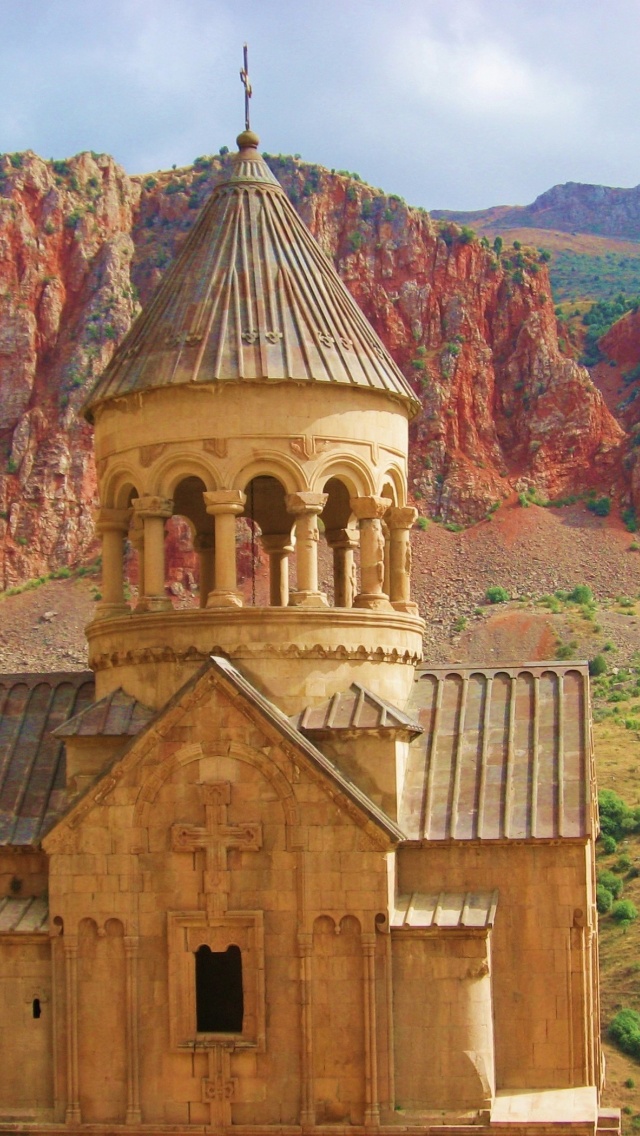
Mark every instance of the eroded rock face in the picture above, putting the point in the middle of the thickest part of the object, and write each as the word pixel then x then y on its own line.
pixel 475 334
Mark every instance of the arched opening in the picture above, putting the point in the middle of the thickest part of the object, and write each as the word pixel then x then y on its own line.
pixel 339 555
pixel 189 545
pixel 219 996
pixel 266 544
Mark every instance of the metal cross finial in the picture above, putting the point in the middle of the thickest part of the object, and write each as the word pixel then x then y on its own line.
pixel 244 75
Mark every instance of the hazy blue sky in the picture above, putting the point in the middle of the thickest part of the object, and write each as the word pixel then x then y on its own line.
pixel 450 103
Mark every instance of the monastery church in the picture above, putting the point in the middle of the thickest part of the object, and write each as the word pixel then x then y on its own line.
pixel 263 869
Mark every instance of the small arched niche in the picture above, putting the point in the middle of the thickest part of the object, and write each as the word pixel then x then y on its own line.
pixel 266 544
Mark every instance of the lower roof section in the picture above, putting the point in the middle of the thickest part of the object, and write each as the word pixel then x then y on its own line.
pixel 505 754
pixel 32 760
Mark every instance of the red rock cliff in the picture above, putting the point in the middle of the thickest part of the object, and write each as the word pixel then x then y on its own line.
pixel 475 334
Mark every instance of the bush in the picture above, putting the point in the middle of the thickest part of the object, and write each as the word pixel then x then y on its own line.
pixel 597 665
pixel 601 506
pixel 608 843
pixel 604 899
pixel 581 594
pixel 616 818
pixel 622 864
pixel 611 882
pixel 624 911
pixel 624 1030
pixel 496 595
pixel 422 523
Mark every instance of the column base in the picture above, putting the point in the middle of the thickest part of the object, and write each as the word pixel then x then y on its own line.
pixel 73 1115
pixel 374 601
pixel 112 610
pixel 308 599
pixel 224 599
pixel 407 606
pixel 156 603
pixel 134 1116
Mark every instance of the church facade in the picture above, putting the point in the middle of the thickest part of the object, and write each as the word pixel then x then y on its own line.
pixel 263 868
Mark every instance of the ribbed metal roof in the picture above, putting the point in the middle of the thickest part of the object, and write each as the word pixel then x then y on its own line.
pixel 23 916
pixel 354 709
pixel 448 909
pixel 115 715
pixel 32 765
pixel 251 297
pixel 506 754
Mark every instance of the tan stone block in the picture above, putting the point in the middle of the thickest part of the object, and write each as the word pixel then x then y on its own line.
pixel 176 1112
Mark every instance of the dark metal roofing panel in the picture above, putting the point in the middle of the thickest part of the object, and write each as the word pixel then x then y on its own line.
pixel 23 916
pixel 446 909
pixel 506 754
pixel 251 297
pixel 32 767
pixel 115 715
pixel 354 709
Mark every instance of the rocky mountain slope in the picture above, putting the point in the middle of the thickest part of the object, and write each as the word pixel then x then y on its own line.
pixel 82 244
pixel 571 207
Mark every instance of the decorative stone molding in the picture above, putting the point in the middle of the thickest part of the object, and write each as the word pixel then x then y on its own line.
pixel 151 506
pixel 219 447
pixel 155 655
pixel 149 454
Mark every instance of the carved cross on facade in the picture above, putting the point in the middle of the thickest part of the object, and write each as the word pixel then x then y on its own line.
pixel 244 75
pixel 216 837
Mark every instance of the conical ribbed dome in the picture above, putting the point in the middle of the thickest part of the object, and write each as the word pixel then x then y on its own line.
pixel 251 297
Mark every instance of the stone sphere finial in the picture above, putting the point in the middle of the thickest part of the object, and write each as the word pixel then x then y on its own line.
pixel 248 140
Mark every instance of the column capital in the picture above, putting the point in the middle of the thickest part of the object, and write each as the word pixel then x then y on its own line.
pixel 401 517
pixel 151 506
pixel 230 501
pixel 342 538
pixel 310 503
pixel 370 508
pixel 276 542
pixel 111 520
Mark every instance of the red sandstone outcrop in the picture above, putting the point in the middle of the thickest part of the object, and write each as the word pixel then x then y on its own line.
pixel 475 334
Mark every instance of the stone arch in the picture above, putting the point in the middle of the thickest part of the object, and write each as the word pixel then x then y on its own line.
pixel 353 471
pixel 271 463
pixel 120 486
pixel 177 467
pixel 157 777
pixel 392 485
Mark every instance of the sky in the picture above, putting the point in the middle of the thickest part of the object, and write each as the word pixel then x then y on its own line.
pixel 453 104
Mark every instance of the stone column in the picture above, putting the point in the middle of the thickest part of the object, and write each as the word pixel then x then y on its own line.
pixel 400 522
pixel 370 511
pixel 73 1114
pixel 203 544
pixel 278 546
pixel 305 507
pixel 112 525
pixel 153 512
pixel 343 543
pixel 225 505
pixel 136 536
pixel 131 948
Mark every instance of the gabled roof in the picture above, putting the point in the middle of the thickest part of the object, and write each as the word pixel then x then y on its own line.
pixel 219 672
pixel 445 909
pixel 251 297
pixel 505 755
pixel 294 737
pixel 32 765
pixel 354 709
pixel 115 715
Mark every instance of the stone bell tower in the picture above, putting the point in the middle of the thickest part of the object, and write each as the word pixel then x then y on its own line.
pixel 252 385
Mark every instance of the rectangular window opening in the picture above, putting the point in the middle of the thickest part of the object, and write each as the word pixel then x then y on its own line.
pixel 219 997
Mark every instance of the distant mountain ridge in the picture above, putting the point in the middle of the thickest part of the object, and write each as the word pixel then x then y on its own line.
pixel 570 207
